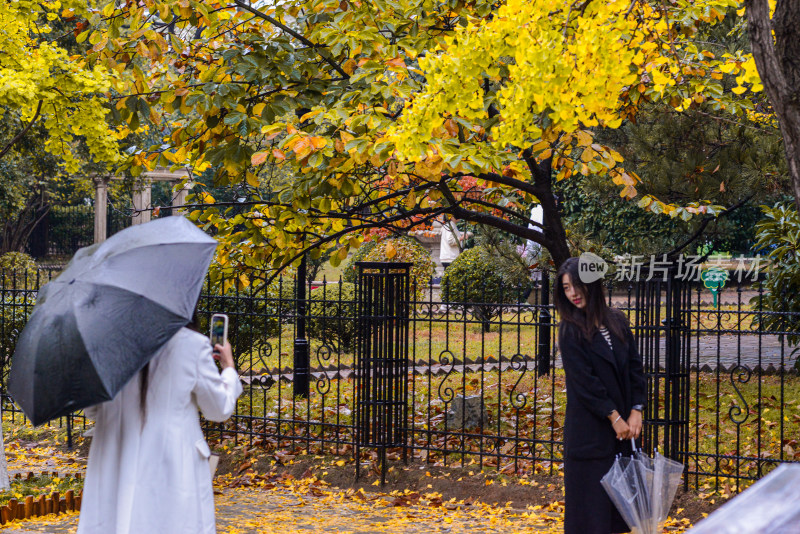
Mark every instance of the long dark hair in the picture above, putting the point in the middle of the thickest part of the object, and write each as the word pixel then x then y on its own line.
pixel 596 313
pixel 144 374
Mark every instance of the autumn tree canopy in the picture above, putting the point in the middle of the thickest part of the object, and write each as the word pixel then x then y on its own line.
pixel 53 109
pixel 42 82
pixel 332 117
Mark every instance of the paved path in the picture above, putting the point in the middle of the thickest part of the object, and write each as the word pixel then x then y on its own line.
pixel 301 508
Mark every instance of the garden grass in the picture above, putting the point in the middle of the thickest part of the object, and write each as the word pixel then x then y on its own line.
pixel 525 415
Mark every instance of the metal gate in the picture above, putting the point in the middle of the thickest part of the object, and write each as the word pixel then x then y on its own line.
pixel 382 364
pixel 659 312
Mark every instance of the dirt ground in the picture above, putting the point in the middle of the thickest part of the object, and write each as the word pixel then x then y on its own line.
pixel 467 483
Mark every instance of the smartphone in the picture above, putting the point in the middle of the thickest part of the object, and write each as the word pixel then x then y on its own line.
pixel 219 329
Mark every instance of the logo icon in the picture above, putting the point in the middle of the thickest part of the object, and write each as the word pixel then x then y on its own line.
pixel 591 267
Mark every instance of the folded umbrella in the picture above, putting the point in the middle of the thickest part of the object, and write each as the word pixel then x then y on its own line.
pixel 643 488
pixel 96 325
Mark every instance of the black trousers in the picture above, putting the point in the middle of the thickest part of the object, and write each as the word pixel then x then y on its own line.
pixel 587 507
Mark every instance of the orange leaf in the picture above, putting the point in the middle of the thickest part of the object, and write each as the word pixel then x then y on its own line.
pixel 397 62
pixel 277 154
pixel 258 158
pixel 301 146
pixel 451 127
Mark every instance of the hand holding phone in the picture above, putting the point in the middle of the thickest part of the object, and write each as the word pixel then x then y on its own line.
pixel 219 340
pixel 219 329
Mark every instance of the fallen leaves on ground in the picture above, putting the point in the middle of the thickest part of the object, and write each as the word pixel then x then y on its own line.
pixel 41 458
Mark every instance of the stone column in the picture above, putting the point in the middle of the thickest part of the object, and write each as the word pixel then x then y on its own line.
pixel 100 207
pixel 142 191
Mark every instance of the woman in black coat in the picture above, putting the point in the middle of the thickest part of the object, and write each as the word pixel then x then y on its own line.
pixel 606 393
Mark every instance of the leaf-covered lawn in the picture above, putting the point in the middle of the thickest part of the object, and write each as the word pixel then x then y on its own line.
pixel 736 426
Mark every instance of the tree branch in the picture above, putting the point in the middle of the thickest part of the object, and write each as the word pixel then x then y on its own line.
pixel 704 223
pixel 22 133
pixel 294 34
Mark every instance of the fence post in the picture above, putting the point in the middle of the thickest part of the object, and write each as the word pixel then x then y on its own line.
pixel 545 321
pixel 383 296
pixel 301 374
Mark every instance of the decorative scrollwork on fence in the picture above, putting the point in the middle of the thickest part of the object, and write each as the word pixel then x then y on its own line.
pixel 519 362
pixel 324 354
pixel 446 358
pixel 740 374
pixel 262 353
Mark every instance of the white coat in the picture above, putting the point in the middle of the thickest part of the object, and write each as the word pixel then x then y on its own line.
pixel 449 248
pixel 152 476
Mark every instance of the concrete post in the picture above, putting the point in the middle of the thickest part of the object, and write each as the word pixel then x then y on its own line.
pixel 100 207
pixel 142 192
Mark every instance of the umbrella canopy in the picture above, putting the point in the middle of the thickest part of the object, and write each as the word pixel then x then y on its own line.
pixel 770 506
pixel 642 489
pixel 96 325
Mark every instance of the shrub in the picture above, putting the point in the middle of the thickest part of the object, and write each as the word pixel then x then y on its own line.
pixel 18 284
pixel 406 249
pixel 350 272
pixel 252 312
pixel 778 235
pixel 332 315
pixel 15 310
pixel 18 271
pixel 484 281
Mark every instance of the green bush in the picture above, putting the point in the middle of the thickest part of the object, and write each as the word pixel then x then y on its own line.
pixel 484 280
pixel 281 293
pixel 15 310
pixel 350 272
pixel 18 271
pixel 778 236
pixel 252 313
pixel 18 285
pixel 332 312
pixel 406 249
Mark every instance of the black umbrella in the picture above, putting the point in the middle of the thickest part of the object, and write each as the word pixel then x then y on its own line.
pixel 96 325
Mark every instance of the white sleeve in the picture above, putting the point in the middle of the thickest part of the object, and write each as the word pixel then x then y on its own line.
pixel 452 239
pixel 91 412
pixel 216 392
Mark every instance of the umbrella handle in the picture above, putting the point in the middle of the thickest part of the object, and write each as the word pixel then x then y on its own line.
pixel 633 445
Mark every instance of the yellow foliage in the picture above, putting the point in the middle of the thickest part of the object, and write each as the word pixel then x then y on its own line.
pixel 37 74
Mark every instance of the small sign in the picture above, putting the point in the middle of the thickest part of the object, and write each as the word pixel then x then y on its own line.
pixel 714 278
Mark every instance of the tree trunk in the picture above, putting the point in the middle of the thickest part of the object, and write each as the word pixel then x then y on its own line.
pixel 554 233
pixel 17 231
pixel 778 63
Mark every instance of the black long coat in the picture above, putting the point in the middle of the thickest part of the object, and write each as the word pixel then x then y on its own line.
pixel 598 381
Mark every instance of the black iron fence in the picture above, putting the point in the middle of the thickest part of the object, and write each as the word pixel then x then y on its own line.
pixel 65 229
pixel 18 291
pixel 724 390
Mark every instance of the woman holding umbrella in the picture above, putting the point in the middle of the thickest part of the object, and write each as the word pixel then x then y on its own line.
pixel 606 393
pixel 109 335
pixel 148 466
